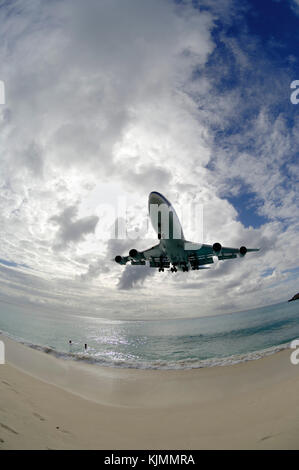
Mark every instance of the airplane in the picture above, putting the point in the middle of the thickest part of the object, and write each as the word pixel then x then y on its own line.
pixel 173 252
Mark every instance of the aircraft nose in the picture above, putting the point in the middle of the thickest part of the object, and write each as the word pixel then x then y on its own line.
pixel 157 198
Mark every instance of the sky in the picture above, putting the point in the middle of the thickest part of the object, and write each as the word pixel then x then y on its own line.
pixel 108 100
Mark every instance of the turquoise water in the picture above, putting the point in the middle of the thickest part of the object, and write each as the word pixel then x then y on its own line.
pixel 189 343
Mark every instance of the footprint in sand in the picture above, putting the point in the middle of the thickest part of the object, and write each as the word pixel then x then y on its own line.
pixel 41 418
pixel 8 428
pixel 63 430
pixel 10 386
pixel 265 438
pixel 5 383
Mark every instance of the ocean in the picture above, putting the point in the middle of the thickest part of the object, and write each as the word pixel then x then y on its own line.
pixel 160 344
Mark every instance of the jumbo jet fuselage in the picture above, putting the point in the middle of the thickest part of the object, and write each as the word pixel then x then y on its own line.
pixel 168 227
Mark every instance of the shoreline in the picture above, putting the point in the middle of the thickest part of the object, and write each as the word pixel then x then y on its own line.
pixel 48 402
pixel 183 364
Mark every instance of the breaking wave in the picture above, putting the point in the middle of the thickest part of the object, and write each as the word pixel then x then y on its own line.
pixel 133 363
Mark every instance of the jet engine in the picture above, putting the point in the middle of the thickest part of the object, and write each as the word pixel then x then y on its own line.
pixel 217 248
pixel 243 250
pixel 136 255
pixel 133 253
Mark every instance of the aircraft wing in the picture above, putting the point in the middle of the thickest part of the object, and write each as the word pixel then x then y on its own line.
pixel 200 254
pixel 155 256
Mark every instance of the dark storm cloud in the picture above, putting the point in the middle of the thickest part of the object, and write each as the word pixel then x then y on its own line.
pixel 134 276
pixel 130 276
pixel 71 230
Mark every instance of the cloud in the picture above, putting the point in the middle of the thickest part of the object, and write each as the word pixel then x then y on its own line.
pixel 91 74
pixel 95 269
pixel 134 276
pixel 72 230
pixel 295 5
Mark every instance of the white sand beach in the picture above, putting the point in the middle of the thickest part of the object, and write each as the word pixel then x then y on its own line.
pixel 50 403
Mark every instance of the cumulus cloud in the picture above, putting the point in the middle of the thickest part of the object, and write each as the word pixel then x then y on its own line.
pixel 134 276
pixel 71 230
pixel 95 269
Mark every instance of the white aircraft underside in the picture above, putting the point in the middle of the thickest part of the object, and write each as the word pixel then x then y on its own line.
pixel 173 251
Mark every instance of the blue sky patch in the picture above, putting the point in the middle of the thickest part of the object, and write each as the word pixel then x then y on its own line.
pixel 247 208
pixel 12 264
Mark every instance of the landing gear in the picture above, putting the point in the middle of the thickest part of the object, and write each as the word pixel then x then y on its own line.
pixel 185 269
pixel 161 269
pixel 173 269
